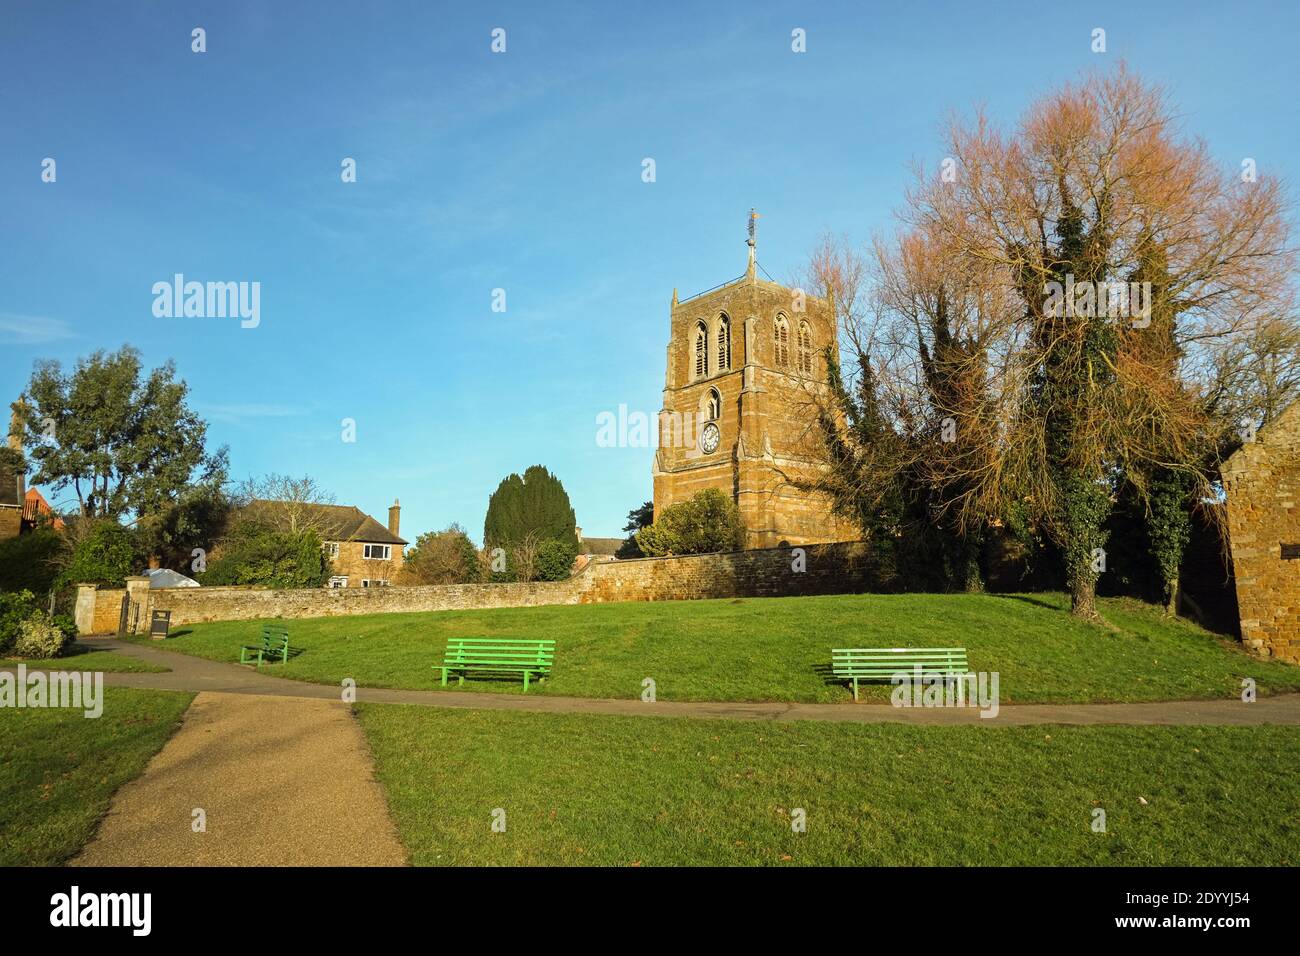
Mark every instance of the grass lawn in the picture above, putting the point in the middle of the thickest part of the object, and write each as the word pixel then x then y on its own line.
pixel 778 649
pixel 58 769
pixel 82 657
pixel 580 789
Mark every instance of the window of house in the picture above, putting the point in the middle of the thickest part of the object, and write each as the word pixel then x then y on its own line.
pixel 805 349
pixel 339 581
pixel 374 582
pixel 701 350
pixel 378 552
pixel 782 342
pixel 724 343
pixel 331 549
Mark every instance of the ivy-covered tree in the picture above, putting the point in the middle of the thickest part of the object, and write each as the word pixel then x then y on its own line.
pixel 1076 371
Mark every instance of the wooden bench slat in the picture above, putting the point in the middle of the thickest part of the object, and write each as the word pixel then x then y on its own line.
pixel 876 663
pixel 504 655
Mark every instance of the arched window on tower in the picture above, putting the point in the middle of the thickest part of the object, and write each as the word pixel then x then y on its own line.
pixel 724 343
pixel 805 349
pixel 782 342
pixel 713 408
pixel 701 350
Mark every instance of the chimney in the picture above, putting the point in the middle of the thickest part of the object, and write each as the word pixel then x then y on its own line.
pixel 15 428
pixel 16 443
pixel 395 516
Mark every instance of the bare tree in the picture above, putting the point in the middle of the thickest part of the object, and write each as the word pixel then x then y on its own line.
pixel 995 310
pixel 286 503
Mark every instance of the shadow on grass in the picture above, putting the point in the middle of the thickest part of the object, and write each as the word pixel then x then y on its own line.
pixel 487 677
pixel 1026 599
pixel 827 675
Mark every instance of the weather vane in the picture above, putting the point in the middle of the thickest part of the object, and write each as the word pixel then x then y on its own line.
pixel 752 241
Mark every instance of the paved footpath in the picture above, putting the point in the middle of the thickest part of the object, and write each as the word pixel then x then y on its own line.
pixel 195 674
pixel 280 781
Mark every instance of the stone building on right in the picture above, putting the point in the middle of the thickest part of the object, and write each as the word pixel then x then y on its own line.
pixel 1262 483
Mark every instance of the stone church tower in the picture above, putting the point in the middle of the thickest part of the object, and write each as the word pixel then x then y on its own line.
pixel 744 361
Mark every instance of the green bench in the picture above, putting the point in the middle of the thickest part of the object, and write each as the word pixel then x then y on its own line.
pixel 882 663
pixel 275 643
pixel 511 656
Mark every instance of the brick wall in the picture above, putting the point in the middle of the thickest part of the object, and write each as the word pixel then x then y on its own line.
pixel 11 521
pixel 1262 482
pixel 827 569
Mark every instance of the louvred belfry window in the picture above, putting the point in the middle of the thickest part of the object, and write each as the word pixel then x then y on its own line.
pixel 724 343
pixel 701 351
pixel 782 342
pixel 805 349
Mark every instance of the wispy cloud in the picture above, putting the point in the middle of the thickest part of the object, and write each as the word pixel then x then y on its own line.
pixel 238 414
pixel 32 329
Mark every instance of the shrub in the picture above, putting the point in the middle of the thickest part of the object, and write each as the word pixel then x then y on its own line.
pixel 39 637
pixel 28 561
pixel 707 522
pixel 105 554
pixel 15 607
pixel 441 557
pixel 555 560
pixel 258 554
pixel 67 624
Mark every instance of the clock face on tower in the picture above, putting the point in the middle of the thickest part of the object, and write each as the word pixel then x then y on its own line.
pixel 709 438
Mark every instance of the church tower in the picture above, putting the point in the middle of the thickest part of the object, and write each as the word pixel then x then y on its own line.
pixel 745 360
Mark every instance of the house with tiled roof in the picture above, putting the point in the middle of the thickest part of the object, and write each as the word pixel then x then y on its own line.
pixel 363 553
pixel 21 508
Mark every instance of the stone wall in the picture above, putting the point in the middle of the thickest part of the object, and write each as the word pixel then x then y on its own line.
pixel 1262 482
pixel 770 572
pixel 192 605
pixel 97 611
pixel 774 572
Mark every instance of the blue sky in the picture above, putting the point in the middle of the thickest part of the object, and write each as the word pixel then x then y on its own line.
pixel 519 171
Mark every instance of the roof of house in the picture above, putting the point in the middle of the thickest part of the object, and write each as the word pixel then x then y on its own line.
pixel 600 545
pixel 338 522
pixel 167 578
pixel 35 505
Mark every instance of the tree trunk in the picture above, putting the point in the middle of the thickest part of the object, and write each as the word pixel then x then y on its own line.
pixel 1083 597
pixel 1171 598
pixel 974 579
